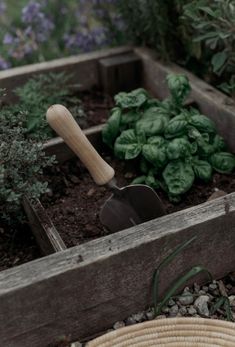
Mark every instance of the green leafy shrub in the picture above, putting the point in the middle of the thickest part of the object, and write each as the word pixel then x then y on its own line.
pixel 37 95
pixel 153 23
pixel 21 164
pixel 209 24
pixel 175 145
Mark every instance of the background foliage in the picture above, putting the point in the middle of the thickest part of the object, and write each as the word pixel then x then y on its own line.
pixel 32 31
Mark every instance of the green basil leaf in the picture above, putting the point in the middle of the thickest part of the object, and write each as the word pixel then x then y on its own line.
pixel 130 117
pixel 152 125
pixel 179 177
pixel 202 169
pixel 151 181
pixel 202 123
pixel 134 99
pixel 154 112
pixel 153 102
pixel 205 149
pixel 127 145
pixel 176 127
pixel 111 128
pixel 218 143
pixel 178 148
pixel 139 180
pixel 223 162
pixel 154 151
pixel 179 87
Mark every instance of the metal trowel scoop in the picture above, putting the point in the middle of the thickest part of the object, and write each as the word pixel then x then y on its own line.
pixel 128 206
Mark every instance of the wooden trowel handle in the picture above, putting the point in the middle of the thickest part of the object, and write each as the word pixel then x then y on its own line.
pixel 61 120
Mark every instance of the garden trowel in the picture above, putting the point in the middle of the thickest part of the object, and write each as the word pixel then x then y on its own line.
pixel 128 206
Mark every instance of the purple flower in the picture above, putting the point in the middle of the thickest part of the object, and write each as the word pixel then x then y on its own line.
pixel 3 7
pixel 8 39
pixel 4 64
pixel 31 12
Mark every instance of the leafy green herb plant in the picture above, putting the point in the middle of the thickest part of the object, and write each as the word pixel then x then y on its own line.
pixel 21 163
pixel 175 145
pixel 37 95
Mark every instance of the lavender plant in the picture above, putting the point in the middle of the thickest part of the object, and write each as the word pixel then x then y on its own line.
pixel 50 29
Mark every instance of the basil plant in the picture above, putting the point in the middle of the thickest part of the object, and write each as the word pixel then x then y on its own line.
pixel 174 144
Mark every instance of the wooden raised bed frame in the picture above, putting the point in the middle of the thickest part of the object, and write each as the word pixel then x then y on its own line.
pixel 83 290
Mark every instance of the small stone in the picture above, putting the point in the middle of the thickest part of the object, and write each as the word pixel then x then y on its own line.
pixel 165 309
pixel 183 311
pixel 205 288
pixel 232 300
pixel 192 311
pixel 76 344
pixel 171 302
pixel 187 290
pixel 196 288
pixel 118 325
pixel 173 311
pixel 229 286
pixel 212 287
pixel 186 299
pixel 149 315
pixel 201 292
pixel 201 305
pixel 91 192
pixel 138 317
pixel 74 179
pixel 130 321
pixel 217 194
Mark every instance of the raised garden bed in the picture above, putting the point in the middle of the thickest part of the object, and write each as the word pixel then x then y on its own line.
pixel 83 290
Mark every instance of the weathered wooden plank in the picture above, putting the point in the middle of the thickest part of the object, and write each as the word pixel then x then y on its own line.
pixel 85 289
pixel 43 229
pixel 211 101
pixel 120 73
pixel 83 68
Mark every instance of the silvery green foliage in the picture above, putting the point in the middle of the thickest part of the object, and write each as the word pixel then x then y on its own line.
pixel 21 164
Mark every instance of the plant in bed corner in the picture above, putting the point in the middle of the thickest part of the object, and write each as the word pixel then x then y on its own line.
pixel 174 144
pixel 37 95
pixel 21 164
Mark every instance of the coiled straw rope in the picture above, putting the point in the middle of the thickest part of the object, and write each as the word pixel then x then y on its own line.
pixel 171 332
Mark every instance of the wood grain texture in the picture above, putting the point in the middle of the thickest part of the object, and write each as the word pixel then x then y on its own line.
pixel 83 68
pixel 85 289
pixel 120 73
pixel 43 229
pixel 211 101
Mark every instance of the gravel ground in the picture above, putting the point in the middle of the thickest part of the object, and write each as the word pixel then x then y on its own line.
pixel 196 301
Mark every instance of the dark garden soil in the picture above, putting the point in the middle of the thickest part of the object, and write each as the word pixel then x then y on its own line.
pixel 96 106
pixel 17 246
pixel 74 201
